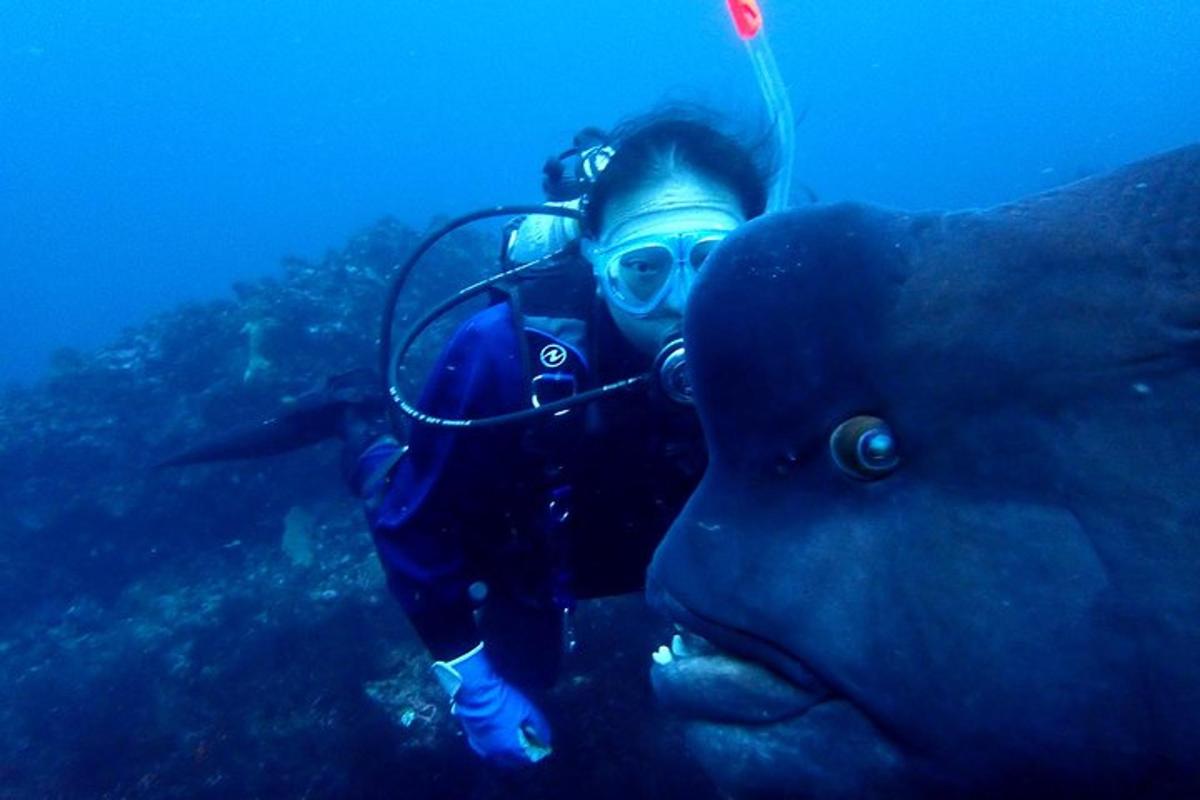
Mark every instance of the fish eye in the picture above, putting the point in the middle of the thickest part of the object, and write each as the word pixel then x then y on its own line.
pixel 864 448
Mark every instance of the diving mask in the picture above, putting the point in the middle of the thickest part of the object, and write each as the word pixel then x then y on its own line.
pixel 644 261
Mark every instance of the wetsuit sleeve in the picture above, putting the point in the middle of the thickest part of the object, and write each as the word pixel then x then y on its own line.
pixel 438 494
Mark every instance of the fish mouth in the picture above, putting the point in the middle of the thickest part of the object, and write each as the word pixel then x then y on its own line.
pixel 760 721
pixel 715 673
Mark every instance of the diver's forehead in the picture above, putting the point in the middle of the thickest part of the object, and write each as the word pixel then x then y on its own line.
pixel 678 194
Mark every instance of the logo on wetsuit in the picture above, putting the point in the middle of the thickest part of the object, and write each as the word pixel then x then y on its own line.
pixel 553 355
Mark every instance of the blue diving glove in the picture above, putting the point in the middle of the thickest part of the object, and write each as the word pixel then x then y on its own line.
pixel 500 722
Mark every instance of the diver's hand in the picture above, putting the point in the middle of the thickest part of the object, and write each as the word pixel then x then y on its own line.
pixel 500 722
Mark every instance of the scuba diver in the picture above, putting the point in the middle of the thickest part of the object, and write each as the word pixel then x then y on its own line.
pixel 489 537
pixel 516 495
pixel 489 534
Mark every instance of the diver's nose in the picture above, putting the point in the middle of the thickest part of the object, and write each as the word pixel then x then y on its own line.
pixel 682 287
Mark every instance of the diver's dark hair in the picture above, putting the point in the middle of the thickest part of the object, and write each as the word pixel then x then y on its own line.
pixel 650 146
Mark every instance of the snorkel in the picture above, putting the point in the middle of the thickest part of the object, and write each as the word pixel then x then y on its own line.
pixel 748 22
pixel 669 371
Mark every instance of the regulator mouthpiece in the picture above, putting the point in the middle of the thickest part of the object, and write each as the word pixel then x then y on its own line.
pixel 673 377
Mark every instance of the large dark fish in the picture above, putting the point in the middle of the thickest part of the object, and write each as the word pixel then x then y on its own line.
pixel 1012 609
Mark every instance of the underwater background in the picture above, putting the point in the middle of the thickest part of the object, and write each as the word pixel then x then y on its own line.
pixel 199 206
pixel 153 152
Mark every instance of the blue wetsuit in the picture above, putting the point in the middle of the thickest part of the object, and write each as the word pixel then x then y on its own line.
pixel 568 506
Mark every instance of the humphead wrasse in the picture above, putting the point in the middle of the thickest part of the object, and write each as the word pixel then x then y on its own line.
pixel 948 543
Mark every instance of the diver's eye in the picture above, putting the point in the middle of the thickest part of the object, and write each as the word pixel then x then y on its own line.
pixel 864 448
pixel 648 260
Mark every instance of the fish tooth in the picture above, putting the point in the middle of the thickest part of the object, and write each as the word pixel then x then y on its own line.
pixel 662 655
pixel 678 647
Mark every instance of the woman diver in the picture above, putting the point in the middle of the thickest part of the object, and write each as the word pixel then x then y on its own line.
pixel 489 536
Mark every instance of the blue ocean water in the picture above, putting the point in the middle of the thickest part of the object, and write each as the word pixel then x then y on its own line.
pixel 155 152
pixel 225 631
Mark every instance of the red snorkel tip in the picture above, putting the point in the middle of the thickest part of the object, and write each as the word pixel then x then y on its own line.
pixel 747 17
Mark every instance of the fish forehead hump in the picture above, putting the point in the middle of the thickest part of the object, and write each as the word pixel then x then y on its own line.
pixel 1039 365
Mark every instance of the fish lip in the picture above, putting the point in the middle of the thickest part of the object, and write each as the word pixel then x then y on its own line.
pixel 737 644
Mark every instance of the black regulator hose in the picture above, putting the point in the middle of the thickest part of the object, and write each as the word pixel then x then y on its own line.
pixel 391 361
